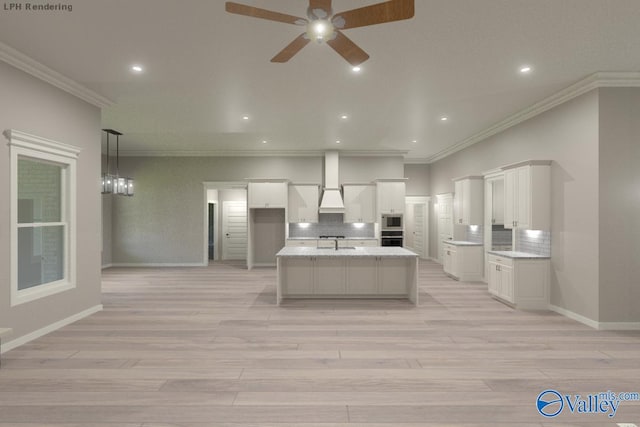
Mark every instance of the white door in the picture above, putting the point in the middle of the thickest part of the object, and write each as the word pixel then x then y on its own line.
pixel 420 229
pixel 445 221
pixel 234 230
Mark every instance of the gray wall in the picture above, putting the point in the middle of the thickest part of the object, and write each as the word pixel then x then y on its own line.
pixel 163 222
pixel 418 183
pixel 567 135
pixel 33 106
pixel 619 194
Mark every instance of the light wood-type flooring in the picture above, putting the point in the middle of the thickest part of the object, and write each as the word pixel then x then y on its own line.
pixel 200 347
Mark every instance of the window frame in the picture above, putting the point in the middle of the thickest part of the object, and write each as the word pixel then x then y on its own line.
pixel 30 147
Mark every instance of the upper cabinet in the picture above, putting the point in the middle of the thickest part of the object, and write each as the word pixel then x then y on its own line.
pixel 391 196
pixel 468 200
pixel 494 199
pixel 267 194
pixel 303 202
pixel 527 198
pixel 359 203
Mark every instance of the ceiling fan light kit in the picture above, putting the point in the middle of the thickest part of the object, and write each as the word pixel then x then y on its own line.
pixel 323 26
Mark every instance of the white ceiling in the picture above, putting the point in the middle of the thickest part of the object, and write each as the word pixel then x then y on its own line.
pixel 205 69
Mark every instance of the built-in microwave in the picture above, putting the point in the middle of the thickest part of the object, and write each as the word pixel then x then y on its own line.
pixel 391 222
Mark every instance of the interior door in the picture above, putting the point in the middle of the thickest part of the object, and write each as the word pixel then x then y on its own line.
pixel 234 230
pixel 420 229
pixel 445 221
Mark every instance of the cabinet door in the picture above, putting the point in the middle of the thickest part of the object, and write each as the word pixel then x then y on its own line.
pixel 510 197
pixel 522 214
pixel 493 279
pixel 330 276
pixel 446 259
pixel 497 202
pixel 362 276
pixel 507 283
pixel 392 276
pixel 459 202
pixel 391 197
pixel 303 203
pixel 359 203
pixel 267 195
pixel 298 276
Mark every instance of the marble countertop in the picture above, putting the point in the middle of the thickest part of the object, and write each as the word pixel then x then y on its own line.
pixel 461 243
pixel 518 255
pixel 331 239
pixel 368 251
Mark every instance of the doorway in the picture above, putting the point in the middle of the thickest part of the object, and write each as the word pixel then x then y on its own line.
pixel 211 235
pixel 417 225
pixel 445 220
pixel 224 229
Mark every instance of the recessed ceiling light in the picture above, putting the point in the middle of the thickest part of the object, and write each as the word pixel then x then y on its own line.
pixel 414 141
pixel 245 117
pixel 444 118
pixel 136 68
pixel 344 117
pixel 525 69
pixel 338 141
pixel 356 69
pixel 264 141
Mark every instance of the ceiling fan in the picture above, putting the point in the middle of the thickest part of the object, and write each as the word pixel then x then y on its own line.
pixel 325 26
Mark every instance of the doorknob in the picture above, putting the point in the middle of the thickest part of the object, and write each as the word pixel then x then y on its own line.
pixel 227 234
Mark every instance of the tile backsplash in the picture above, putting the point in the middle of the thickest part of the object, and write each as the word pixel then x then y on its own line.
pixel 331 225
pixel 533 241
pixel 475 234
pixel 501 236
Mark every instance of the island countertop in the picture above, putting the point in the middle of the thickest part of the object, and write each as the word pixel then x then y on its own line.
pixel 367 251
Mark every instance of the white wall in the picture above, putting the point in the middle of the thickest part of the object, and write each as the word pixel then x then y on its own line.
pixel 418 179
pixel 619 194
pixel 33 106
pixel 567 135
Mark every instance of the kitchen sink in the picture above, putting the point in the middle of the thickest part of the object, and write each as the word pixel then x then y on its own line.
pixel 333 249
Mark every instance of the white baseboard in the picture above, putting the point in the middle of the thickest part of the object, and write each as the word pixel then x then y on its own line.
pixel 574 316
pixel 105 266
pixel 10 345
pixel 158 264
pixel 619 326
pixel 603 326
pixel 264 264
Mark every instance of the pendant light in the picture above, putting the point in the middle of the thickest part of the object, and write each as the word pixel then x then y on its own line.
pixel 115 183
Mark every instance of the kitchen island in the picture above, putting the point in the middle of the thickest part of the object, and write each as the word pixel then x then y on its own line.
pixel 361 272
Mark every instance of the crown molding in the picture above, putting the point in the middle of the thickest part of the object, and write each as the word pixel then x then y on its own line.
pixel 24 63
pixel 256 153
pixel 594 81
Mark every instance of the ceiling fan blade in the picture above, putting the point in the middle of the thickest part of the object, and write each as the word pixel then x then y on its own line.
pixel 242 9
pixel 292 48
pixel 348 49
pixel 323 5
pixel 393 10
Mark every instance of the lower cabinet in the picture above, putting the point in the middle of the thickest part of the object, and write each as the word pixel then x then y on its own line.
pixel 522 282
pixel 463 262
pixel 347 276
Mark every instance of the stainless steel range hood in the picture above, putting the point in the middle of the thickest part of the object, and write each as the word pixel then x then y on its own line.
pixel 331 198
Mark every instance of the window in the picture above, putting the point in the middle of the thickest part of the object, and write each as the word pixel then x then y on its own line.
pixel 43 211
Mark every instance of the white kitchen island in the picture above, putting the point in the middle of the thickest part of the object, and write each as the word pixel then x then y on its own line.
pixel 362 272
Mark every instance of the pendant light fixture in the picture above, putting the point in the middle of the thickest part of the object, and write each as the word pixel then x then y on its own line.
pixel 115 183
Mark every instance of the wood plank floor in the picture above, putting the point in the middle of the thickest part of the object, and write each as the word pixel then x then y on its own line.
pixel 208 347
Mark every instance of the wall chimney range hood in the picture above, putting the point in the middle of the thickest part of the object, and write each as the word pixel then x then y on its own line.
pixel 331 198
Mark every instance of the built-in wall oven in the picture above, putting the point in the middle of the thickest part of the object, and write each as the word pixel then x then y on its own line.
pixel 391 238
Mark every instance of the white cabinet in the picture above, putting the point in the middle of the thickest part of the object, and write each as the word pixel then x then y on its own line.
pixel 463 262
pixel 468 200
pixel 522 282
pixel 527 198
pixel 303 203
pixel 267 194
pixel 330 276
pixel 362 276
pixel 298 277
pixel 391 197
pixel 392 276
pixel 359 203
